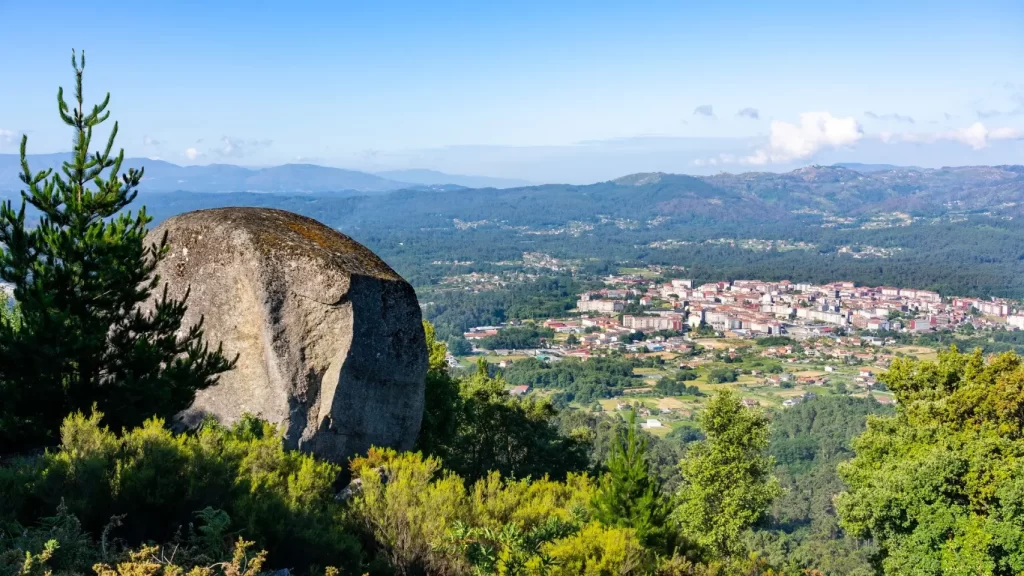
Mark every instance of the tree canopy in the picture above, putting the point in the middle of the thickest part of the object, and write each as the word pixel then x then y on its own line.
pixel 940 484
pixel 727 482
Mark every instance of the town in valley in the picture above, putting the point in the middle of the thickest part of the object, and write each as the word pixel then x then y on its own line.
pixel 776 343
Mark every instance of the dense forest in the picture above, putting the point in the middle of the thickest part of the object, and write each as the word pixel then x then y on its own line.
pixel 574 379
pixel 455 312
pixel 977 256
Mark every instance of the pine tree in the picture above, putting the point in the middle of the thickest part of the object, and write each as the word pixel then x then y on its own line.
pixel 83 276
pixel 629 495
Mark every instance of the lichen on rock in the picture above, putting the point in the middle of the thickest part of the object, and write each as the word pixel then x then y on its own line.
pixel 329 337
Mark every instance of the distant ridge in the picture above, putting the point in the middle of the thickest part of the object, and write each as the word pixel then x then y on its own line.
pixel 433 177
pixel 164 176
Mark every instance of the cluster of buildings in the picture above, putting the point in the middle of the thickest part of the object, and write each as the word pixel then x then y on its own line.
pixel 609 318
pixel 759 308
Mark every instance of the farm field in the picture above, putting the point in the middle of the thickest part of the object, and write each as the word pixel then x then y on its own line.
pixel 919 352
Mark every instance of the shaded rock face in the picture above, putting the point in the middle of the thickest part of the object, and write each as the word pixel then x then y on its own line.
pixel 330 339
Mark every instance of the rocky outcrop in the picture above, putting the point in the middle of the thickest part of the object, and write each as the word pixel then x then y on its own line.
pixel 329 338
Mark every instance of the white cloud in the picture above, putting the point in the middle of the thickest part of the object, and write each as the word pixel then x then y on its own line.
pixel 976 136
pixel 148 141
pixel 1005 133
pixel 816 131
pixel 230 147
pixel 191 153
pixel 237 147
pixel 8 137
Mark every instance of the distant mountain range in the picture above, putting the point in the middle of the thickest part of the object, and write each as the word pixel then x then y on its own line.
pixel 816 195
pixel 290 178
pixel 850 190
pixel 433 177
pixel 813 193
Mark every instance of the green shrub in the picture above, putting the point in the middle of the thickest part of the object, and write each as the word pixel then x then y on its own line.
pixel 159 483
pixel 597 550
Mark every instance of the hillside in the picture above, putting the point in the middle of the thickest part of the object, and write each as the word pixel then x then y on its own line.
pixel 848 192
pixel 164 176
pixel 814 194
pixel 843 191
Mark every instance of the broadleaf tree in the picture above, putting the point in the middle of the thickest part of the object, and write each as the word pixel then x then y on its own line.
pixel 727 482
pixel 939 485
pixel 89 333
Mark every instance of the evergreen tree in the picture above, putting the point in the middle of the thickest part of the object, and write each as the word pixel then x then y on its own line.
pixel 630 495
pixel 83 275
pixel 727 481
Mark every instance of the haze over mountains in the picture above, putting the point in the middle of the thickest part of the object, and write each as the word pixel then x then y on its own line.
pixel 163 176
pixel 849 190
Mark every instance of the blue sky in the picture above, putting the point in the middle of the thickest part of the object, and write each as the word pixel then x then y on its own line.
pixel 566 91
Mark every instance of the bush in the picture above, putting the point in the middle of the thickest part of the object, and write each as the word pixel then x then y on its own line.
pixel 157 482
pixel 422 519
pixel 598 550
pixel 408 506
pixel 721 375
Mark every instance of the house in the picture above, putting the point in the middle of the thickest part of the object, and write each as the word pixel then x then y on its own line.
pixel 791 402
pixel 830 368
pixel 651 423
pixel 750 403
pixel 519 390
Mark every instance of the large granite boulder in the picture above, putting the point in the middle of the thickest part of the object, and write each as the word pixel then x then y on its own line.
pixel 329 339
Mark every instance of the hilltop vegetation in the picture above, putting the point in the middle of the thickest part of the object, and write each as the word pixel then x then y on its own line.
pixel 498 485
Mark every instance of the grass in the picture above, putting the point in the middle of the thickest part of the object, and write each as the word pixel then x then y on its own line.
pixel 811 373
pixel 919 352
pixel 642 272
pixel 722 343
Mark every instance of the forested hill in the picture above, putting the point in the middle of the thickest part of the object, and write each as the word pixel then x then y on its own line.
pixel 812 195
pixel 959 231
pixel 850 192
pixel 164 176
pixel 425 198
